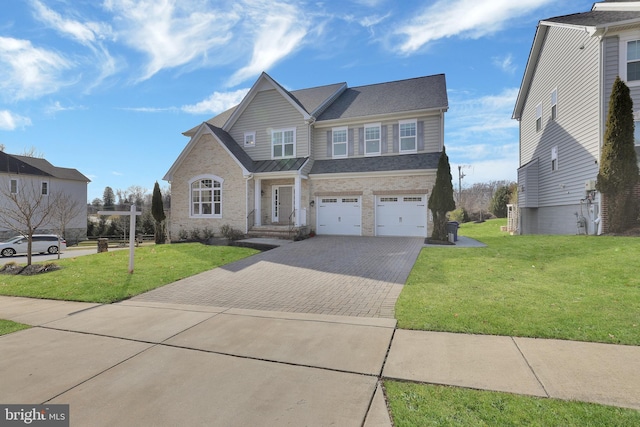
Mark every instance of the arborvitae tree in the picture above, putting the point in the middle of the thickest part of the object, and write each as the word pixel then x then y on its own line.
pixel 618 164
pixel 500 201
pixel 108 198
pixel 157 210
pixel 441 199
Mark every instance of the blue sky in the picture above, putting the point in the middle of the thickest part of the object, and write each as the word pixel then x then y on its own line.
pixel 108 86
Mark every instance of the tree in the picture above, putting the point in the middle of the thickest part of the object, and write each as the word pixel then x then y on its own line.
pixel 157 210
pixel 108 199
pixel 65 208
pixel 441 199
pixel 500 200
pixel 618 172
pixel 25 208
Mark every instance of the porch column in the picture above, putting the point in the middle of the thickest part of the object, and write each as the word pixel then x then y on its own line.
pixel 297 192
pixel 258 200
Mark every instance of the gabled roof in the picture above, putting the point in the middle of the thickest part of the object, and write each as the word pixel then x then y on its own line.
pixel 35 166
pixel 377 164
pixel 595 22
pixel 417 94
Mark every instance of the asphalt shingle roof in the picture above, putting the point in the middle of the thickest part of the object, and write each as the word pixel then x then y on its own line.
pixel 35 166
pixel 377 164
pixel 421 93
pixel 595 18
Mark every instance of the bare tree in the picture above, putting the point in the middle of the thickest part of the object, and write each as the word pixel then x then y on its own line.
pixel 65 209
pixel 25 207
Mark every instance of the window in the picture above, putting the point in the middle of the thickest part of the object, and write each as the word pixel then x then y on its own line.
pixel 539 117
pixel 554 104
pixel 249 138
pixel 339 137
pixel 45 188
pixel 408 134
pixel 283 143
pixel 633 60
pixel 14 186
pixel 372 140
pixel 554 158
pixel 206 197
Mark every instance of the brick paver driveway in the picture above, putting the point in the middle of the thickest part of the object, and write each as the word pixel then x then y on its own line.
pixel 339 275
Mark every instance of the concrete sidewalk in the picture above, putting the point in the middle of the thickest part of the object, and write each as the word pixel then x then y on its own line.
pixel 146 363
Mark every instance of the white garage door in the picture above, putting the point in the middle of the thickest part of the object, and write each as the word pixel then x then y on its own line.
pixel 339 215
pixel 401 215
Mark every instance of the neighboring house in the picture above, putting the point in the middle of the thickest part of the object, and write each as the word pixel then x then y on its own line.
pixel 562 108
pixel 33 178
pixel 328 159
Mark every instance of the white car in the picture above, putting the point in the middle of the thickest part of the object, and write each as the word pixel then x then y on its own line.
pixel 40 244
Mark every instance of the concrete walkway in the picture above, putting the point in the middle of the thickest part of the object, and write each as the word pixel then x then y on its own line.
pixel 146 363
pixel 335 275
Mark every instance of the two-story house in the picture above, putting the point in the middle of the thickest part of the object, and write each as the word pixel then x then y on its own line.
pixel 32 181
pixel 329 159
pixel 562 108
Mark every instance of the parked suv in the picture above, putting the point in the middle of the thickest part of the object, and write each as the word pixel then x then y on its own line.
pixel 40 244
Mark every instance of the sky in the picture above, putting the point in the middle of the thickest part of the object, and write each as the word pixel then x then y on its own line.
pixel 108 86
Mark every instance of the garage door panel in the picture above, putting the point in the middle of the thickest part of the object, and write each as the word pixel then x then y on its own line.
pixel 401 216
pixel 339 215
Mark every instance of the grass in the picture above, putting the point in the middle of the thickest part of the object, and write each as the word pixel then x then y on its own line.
pixel 584 288
pixel 104 277
pixel 7 326
pixel 431 405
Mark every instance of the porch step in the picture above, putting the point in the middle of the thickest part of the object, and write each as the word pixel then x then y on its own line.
pixel 273 231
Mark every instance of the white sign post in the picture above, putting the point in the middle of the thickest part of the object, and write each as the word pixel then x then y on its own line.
pixel 132 229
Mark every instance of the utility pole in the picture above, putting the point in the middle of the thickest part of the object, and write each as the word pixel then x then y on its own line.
pixel 460 176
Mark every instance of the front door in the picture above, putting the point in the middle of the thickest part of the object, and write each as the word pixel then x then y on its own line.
pixel 282 203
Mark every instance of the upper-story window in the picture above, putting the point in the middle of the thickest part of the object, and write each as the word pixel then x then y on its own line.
pixel 206 196
pixel 339 142
pixel 249 139
pixel 633 60
pixel 408 136
pixel 283 143
pixel 539 117
pixel 554 104
pixel 372 140
pixel 14 186
pixel 554 158
pixel 44 188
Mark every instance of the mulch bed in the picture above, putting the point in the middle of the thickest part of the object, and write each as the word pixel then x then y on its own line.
pixel 29 270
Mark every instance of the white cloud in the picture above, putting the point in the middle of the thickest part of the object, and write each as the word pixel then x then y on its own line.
pixel 217 102
pixel 84 33
pixel 505 64
pixel 278 30
pixel 171 32
pixel 463 18
pixel 497 169
pixel 27 71
pixel 57 107
pixel 11 121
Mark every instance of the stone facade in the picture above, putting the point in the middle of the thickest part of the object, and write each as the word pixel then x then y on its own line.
pixel 208 157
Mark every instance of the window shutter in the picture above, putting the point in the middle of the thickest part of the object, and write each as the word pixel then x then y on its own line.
pixel 329 144
pixel 396 138
pixel 350 142
pixel 383 139
pixel 361 141
pixel 420 131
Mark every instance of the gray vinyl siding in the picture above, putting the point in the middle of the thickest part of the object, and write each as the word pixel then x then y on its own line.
pixel 270 111
pixel 575 72
pixel 611 71
pixel 556 220
pixel 429 141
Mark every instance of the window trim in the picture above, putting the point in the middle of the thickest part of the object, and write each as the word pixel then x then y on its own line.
pixel 252 137
pixel 415 137
pixel 44 188
pixel 282 131
pixel 213 190
pixel 373 153
pixel 13 190
pixel 622 60
pixel 539 117
pixel 554 158
pixel 344 129
pixel 554 105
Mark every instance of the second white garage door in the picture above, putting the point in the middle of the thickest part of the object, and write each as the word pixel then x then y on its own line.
pixel 401 215
pixel 339 215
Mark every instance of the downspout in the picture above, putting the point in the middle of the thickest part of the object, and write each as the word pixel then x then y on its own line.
pixel 247 178
pixel 597 222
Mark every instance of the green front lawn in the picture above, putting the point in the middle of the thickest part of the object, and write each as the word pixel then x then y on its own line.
pixel 431 405
pixel 7 326
pixel 104 277
pixel 584 288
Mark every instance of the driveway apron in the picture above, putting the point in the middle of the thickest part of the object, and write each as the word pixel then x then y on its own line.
pixel 336 275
